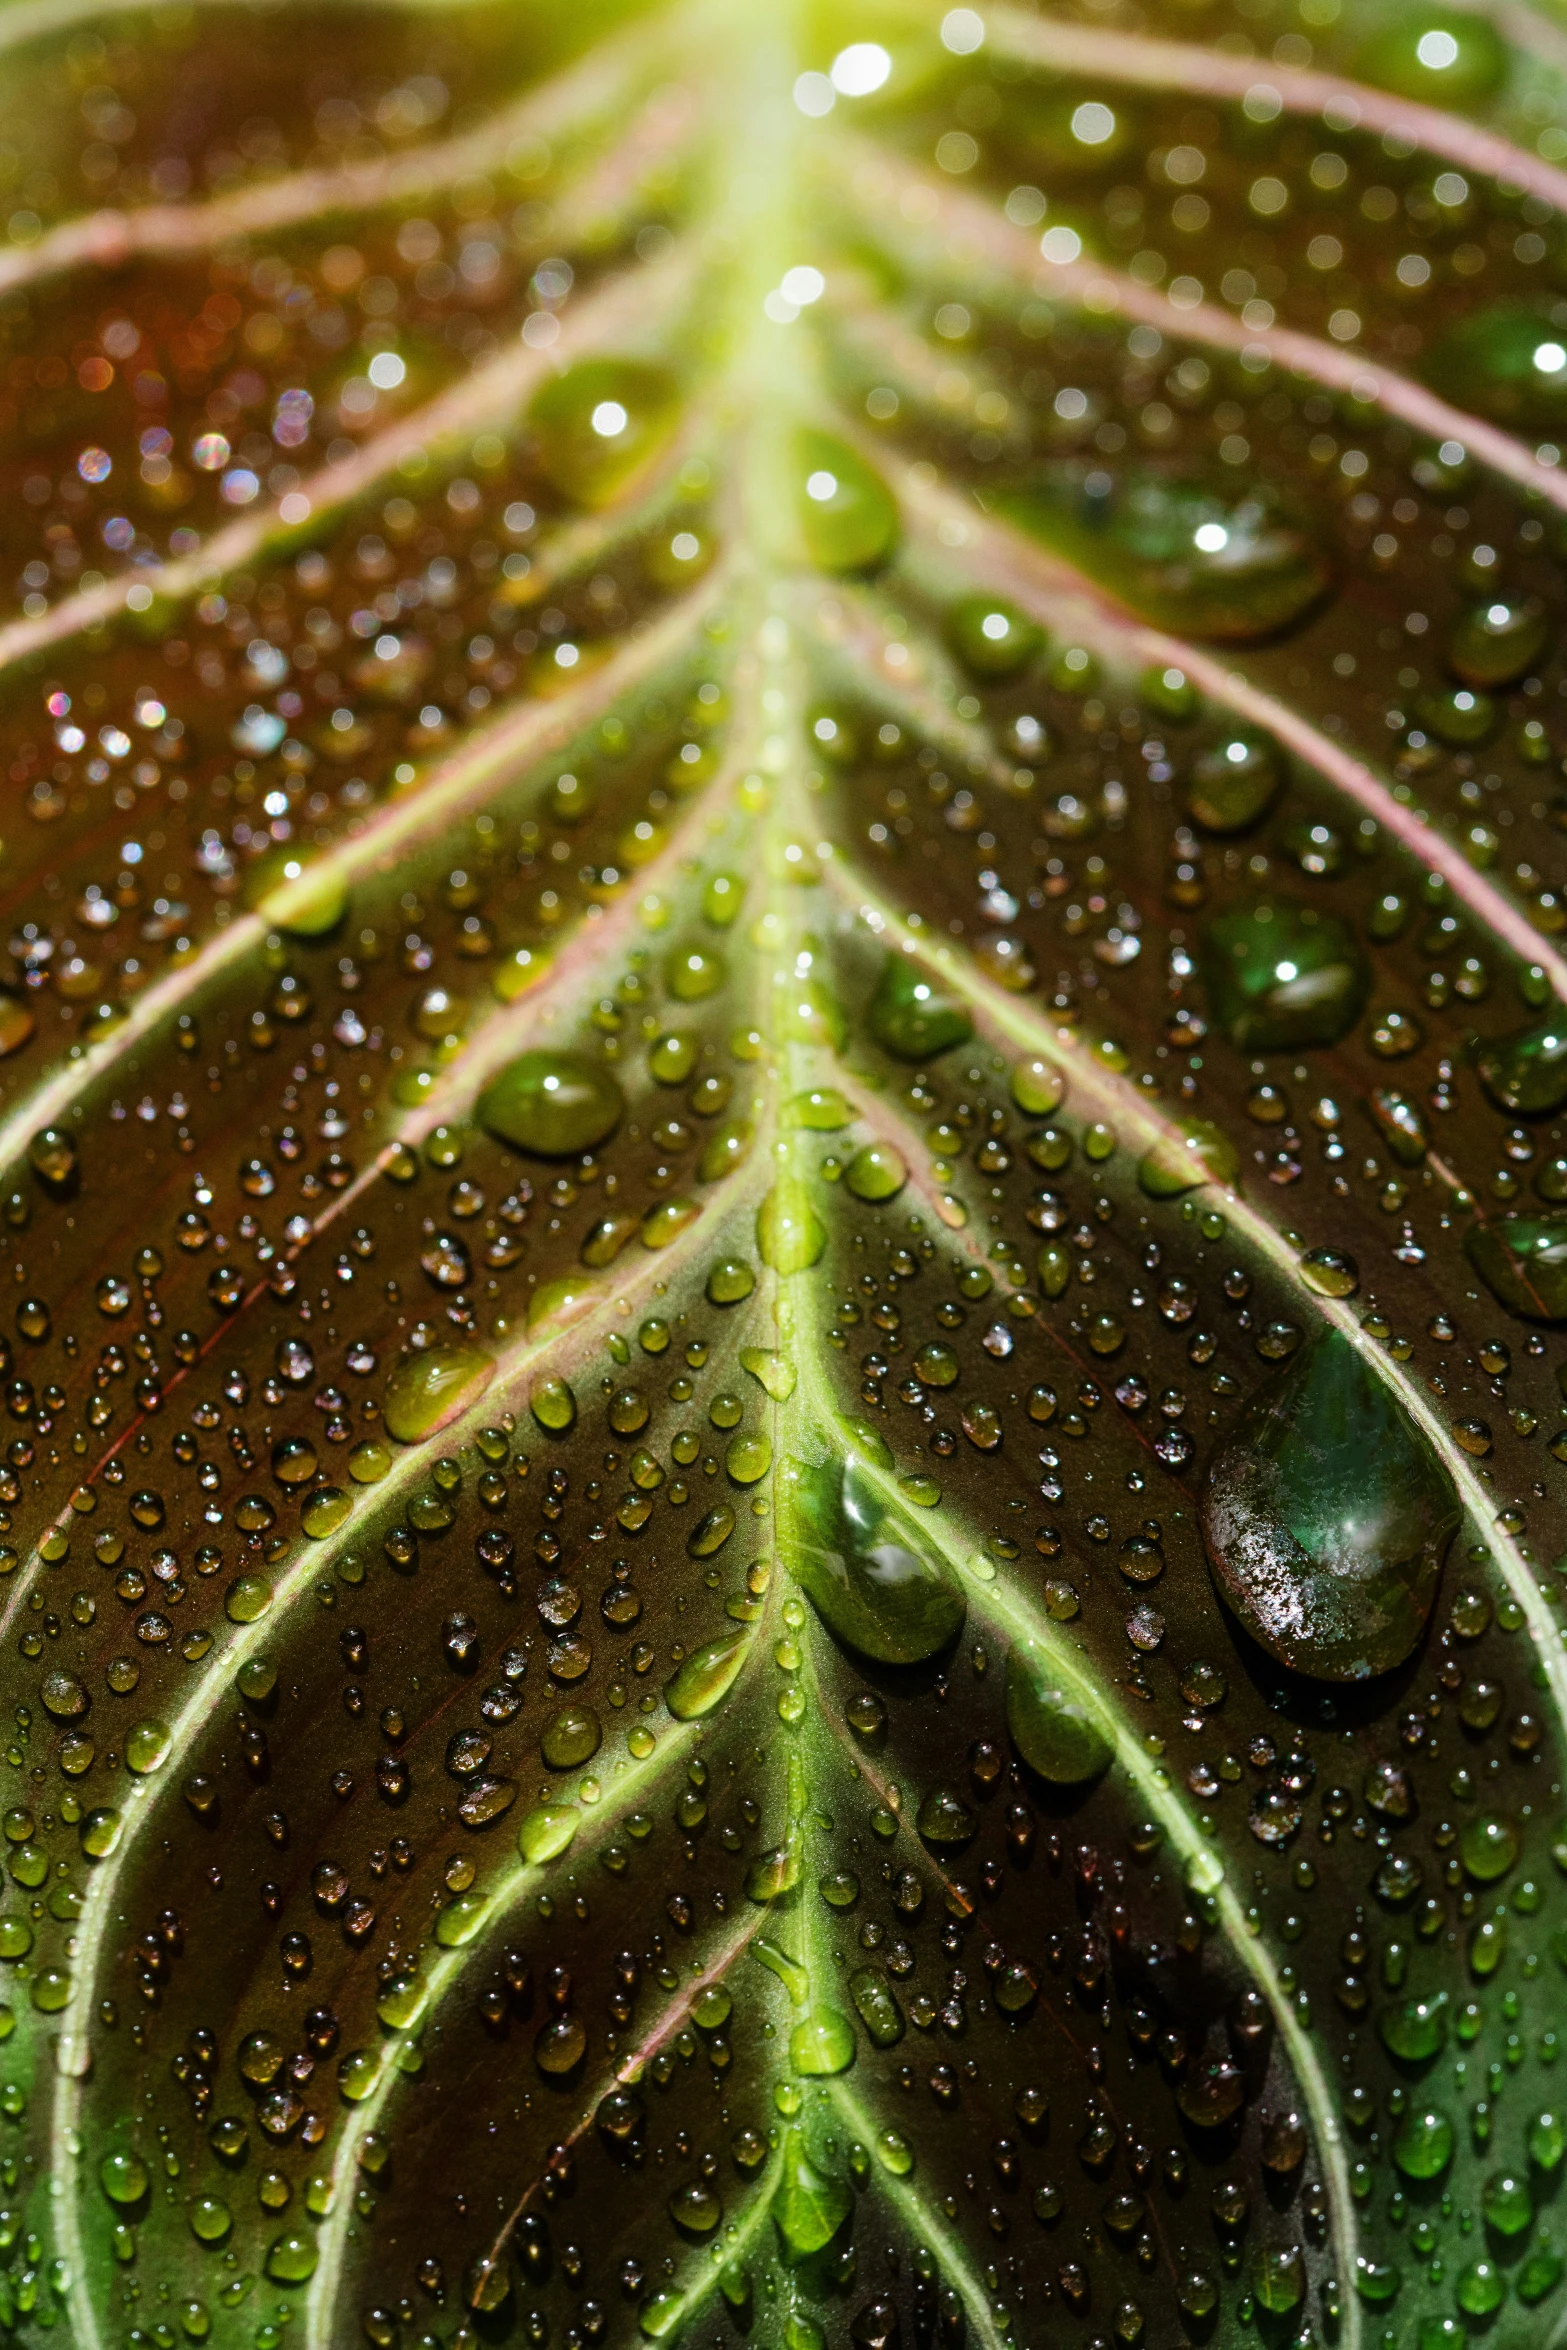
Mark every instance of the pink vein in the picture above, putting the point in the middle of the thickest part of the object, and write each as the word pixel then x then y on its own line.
pixel 999 556
pixel 629 2067
pixel 108 239
pixel 982 233
pixel 1180 65
pixel 492 393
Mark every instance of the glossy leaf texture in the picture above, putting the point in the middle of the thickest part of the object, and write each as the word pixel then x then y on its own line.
pixel 781 1073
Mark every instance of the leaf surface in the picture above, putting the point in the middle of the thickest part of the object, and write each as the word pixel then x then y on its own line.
pixel 779 1085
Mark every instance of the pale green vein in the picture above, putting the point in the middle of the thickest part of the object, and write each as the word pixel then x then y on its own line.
pixel 927 2225
pixel 951 535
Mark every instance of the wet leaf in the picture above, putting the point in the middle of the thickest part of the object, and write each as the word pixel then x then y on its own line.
pixel 781 1014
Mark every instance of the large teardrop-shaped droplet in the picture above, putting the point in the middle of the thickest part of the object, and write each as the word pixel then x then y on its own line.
pixel 1327 1517
pixel 1052 1729
pixel 911 1016
pixel 1280 976
pixel 599 423
pixel 790 1236
pixel 1523 1261
pixel 1207 557
pixel 808 2205
pixel 552 1104
pixel 872 1580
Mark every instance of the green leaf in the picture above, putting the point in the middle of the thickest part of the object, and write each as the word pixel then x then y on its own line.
pixel 779 1524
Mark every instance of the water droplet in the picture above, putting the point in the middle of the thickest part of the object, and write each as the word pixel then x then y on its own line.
pixel 862 1564
pixel 694 972
pixel 706 1677
pixel 910 1015
pixel 429 1389
pixel 992 637
pixel 1280 976
pixel 147 1747
pixel 876 2004
pixel 1234 782
pixel 790 1236
pixel 1488 1847
pixel 1424 2145
pixel 1526 1071
pixel 1037 1088
pixel 1327 1516
pixel 1330 1272
pixel 1199 1152
pixel 1523 1261
pixel 599 423
pixel 875 1173
pixel 809 2206
pixel 124 2178
pixel 1437 56
pixel 730 1280
pixel 16 1023
pixel 553 1105
pixel 1051 1727
pixel 544 1833
pixel 848 516
pixel 822 1111
pixel 774 1372
pixel 553 1406
pixel 1202 556
pixel 291 2258
pixel 1491 645
pixel 296 891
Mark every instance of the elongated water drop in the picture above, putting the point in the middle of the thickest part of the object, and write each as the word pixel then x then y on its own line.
pixel 599 423
pixel 1055 1733
pixel 1192 552
pixel 790 1236
pixel 295 891
pixel 1327 1517
pixel 873 1580
pixel 427 1390
pixel 809 2206
pixel 912 1017
pixel 706 1677
pixel 552 1104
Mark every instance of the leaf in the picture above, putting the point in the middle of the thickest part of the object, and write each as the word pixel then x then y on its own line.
pixel 781 1057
